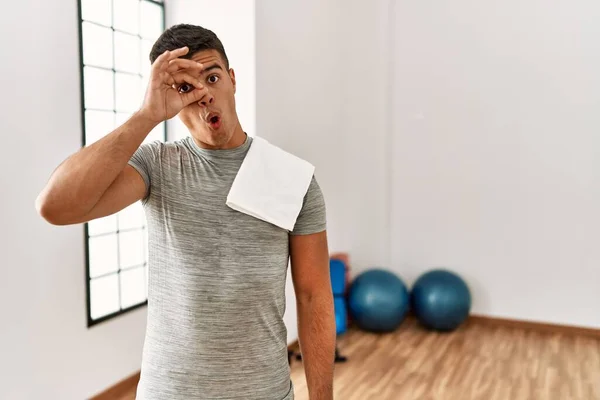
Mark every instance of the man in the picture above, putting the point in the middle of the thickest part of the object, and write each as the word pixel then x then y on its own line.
pixel 216 293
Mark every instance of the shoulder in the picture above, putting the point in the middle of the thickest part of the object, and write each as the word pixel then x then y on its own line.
pixel 168 147
pixel 314 192
pixel 313 215
pixel 314 199
pixel 161 151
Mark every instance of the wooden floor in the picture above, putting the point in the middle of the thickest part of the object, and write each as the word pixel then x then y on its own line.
pixel 479 361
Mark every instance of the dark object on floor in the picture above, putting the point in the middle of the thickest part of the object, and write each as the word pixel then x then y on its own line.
pixel 338 357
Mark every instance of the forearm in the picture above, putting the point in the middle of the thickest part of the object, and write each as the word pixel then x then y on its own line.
pixel 81 180
pixel 317 336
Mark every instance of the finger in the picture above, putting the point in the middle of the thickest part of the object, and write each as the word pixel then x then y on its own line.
pixel 178 53
pixel 186 77
pixel 182 63
pixel 162 61
pixel 194 95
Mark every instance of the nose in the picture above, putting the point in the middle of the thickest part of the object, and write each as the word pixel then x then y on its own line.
pixel 207 99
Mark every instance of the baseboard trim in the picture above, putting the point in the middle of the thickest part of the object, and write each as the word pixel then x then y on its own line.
pixel 119 389
pixel 538 326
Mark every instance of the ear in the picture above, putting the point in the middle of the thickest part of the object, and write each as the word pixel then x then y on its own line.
pixel 232 76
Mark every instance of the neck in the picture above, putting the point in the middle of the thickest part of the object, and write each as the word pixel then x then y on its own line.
pixel 237 139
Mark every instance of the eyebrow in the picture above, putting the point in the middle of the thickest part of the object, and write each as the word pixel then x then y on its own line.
pixel 211 67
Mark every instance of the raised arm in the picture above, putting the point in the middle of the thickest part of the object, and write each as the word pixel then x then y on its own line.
pixel 97 181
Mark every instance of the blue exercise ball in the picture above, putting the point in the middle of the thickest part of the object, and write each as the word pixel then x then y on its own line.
pixel 378 301
pixel 441 300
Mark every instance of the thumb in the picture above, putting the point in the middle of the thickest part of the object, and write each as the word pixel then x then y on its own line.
pixel 194 96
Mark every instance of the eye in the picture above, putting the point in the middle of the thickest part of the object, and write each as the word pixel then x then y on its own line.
pixel 213 79
pixel 186 87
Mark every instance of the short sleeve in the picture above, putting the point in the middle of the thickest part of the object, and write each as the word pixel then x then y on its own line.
pixel 313 215
pixel 144 160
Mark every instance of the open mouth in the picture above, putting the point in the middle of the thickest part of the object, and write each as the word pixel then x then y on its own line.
pixel 214 120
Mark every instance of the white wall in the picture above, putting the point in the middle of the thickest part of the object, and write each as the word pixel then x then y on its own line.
pixel 460 135
pixel 319 96
pixel 46 350
pixel 234 23
pixel 364 67
pixel 495 141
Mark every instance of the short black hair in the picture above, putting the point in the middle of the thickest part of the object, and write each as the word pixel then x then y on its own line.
pixel 196 38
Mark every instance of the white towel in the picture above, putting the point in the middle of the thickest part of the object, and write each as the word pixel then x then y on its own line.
pixel 271 184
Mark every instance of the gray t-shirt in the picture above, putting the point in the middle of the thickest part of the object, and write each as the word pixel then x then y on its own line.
pixel 216 285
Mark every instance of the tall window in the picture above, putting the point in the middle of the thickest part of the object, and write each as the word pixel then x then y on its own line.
pixel 115 40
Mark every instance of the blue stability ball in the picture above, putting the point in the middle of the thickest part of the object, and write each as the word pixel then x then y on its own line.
pixel 441 300
pixel 378 301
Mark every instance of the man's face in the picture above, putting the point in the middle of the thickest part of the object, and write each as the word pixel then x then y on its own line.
pixel 213 120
